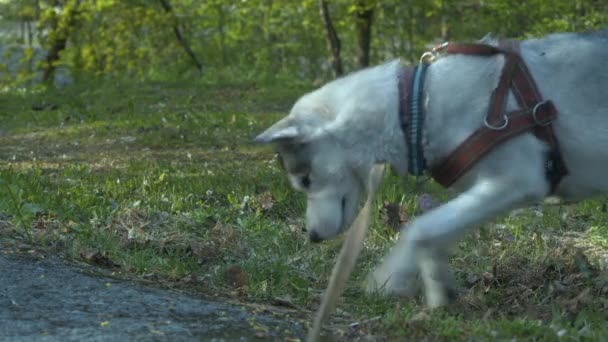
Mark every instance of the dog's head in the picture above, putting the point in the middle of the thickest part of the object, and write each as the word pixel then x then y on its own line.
pixel 318 161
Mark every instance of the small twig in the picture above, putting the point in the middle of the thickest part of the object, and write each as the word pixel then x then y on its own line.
pixel 285 302
pixel 369 320
pixel 180 38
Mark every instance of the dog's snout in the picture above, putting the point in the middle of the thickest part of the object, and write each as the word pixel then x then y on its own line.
pixel 314 237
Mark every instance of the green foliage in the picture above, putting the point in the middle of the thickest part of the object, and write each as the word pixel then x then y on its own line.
pixel 161 177
pixel 259 39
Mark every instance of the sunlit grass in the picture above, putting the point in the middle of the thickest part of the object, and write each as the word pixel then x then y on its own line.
pixel 163 180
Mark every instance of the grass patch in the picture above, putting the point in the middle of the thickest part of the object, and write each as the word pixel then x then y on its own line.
pixel 160 181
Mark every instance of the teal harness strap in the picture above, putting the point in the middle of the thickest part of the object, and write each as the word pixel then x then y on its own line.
pixel 416 161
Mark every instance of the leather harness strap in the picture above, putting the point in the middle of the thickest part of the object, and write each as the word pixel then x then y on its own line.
pixel 483 141
pixel 535 115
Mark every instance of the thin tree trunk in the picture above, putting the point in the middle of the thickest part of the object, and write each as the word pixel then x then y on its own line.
pixel 36 20
pixel 59 43
pixel 410 33
pixel 444 22
pixel 22 29
pixel 267 32
pixel 363 21
pixel 52 58
pixel 221 29
pixel 333 41
pixel 178 34
pixel 30 33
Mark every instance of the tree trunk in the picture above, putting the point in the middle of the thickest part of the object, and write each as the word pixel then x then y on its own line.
pixel 221 30
pixel 267 31
pixel 410 34
pixel 30 33
pixel 22 30
pixel 363 21
pixel 444 22
pixel 178 34
pixel 60 41
pixel 333 41
pixel 52 57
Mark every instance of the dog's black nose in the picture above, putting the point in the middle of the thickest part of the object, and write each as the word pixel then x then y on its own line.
pixel 314 237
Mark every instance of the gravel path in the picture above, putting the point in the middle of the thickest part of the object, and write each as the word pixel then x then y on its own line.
pixel 44 299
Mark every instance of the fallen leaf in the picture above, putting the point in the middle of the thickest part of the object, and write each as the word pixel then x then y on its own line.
pixel 261 334
pixel 201 250
pixel 188 279
pixel 284 301
pixel 393 215
pixel 575 304
pixel 237 278
pixel 40 225
pixel 266 201
pixel 472 279
pixel 135 233
pixel 488 314
pixel 261 331
pixel 97 258
pixel 582 263
pixel 421 316
pixel 150 276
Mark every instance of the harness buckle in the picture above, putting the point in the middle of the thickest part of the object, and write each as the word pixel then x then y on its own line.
pixel 505 123
pixel 540 121
pixel 440 47
pixel 428 57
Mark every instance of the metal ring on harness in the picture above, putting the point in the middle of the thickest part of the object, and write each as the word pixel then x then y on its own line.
pixel 427 57
pixel 505 123
pixel 535 112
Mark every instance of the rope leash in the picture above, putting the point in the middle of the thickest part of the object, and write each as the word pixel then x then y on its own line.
pixel 348 255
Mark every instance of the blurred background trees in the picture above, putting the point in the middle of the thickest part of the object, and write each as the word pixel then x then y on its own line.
pixel 255 39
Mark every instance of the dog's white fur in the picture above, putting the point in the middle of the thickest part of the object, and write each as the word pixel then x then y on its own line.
pixel 334 135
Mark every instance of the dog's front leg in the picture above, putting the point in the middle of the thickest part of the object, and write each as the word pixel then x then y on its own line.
pixel 424 243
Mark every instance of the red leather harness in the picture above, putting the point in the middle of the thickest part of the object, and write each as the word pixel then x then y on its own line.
pixel 535 114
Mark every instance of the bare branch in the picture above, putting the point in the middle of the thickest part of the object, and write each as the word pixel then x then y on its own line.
pixel 333 41
pixel 363 20
pixel 178 34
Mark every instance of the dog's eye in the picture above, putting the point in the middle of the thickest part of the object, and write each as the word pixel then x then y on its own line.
pixel 306 181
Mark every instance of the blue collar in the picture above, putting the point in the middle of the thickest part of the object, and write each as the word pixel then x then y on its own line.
pixel 411 114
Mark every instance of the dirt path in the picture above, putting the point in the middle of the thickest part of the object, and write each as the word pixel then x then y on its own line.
pixel 44 299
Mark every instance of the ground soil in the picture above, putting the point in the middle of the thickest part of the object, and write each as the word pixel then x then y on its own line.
pixel 43 298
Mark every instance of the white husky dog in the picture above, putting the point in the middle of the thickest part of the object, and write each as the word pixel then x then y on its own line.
pixel 334 135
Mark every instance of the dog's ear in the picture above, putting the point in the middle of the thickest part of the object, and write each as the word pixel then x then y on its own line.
pixel 284 130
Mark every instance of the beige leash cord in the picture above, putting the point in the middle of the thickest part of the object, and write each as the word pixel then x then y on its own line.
pixel 348 255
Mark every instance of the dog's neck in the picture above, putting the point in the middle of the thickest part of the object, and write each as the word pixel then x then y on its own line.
pixel 367 120
pixel 390 144
pixel 403 126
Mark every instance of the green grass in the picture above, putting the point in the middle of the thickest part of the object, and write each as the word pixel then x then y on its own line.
pixel 163 180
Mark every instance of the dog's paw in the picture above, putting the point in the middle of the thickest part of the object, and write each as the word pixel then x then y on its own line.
pixel 399 284
pixel 440 290
pixel 437 297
